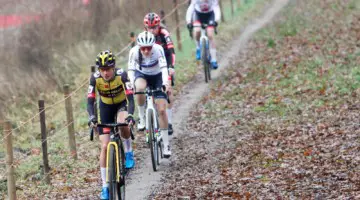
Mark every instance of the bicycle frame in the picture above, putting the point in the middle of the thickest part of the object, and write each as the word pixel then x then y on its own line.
pixel 114 140
pixel 150 106
pixel 204 36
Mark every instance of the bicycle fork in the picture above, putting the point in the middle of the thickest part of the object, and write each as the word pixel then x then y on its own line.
pixel 207 45
pixel 156 124
pixel 117 161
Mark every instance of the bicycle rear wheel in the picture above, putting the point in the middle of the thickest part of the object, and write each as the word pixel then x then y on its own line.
pixel 204 59
pixel 116 189
pixel 152 140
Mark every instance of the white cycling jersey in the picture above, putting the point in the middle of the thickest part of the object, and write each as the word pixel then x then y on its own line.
pixel 203 6
pixel 152 65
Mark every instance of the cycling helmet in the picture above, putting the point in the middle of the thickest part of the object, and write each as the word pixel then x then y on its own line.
pixel 145 39
pixel 105 59
pixel 151 20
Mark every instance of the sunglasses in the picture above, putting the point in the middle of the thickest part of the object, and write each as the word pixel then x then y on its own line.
pixel 146 48
pixel 153 27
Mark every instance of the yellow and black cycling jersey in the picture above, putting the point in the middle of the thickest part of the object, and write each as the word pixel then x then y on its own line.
pixel 111 92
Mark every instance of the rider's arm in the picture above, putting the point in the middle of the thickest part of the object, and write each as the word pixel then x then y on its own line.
pixel 217 11
pixel 132 65
pixel 91 96
pixel 129 93
pixel 190 11
pixel 170 46
pixel 163 66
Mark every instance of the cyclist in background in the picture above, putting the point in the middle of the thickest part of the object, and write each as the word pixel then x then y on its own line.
pixel 162 37
pixel 116 101
pixel 147 67
pixel 204 12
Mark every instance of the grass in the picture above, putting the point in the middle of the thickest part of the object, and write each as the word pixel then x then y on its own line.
pixel 296 75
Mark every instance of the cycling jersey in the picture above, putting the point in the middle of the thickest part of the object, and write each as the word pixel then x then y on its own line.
pixel 152 65
pixel 116 91
pixel 163 39
pixel 203 6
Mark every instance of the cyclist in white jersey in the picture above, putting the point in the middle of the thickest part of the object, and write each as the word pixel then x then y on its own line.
pixel 204 12
pixel 147 67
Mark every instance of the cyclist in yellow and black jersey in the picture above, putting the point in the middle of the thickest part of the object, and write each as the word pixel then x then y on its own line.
pixel 116 102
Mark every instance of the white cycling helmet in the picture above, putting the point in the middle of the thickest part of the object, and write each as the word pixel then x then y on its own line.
pixel 145 39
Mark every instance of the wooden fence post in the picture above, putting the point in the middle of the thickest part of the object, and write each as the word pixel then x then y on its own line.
pixel 92 69
pixel 178 37
pixel 162 15
pixel 132 39
pixel 70 121
pixel 9 161
pixel 222 11
pixel 43 141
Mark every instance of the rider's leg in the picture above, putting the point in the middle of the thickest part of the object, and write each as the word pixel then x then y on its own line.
pixel 127 142
pixel 104 138
pixel 106 114
pixel 163 123
pixel 210 33
pixel 169 112
pixel 140 85
pixel 197 34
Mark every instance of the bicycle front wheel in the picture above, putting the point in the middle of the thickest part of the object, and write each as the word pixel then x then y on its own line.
pixel 152 140
pixel 116 188
pixel 204 59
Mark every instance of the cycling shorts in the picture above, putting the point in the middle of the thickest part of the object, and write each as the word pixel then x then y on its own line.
pixel 203 18
pixel 153 82
pixel 108 113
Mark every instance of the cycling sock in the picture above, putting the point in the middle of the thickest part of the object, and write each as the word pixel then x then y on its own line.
pixel 213 54
pixel 165 136
pixel 127 145
pixel 103 176
pixel 141 112
pixel 169 115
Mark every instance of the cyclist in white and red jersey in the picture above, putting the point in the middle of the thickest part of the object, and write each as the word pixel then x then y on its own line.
pixel 204 12
pixel 162 37
pixel 147 67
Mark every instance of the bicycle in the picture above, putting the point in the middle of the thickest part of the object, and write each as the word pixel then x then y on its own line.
pixel 152 127
pixel 115 161
pixel 205 51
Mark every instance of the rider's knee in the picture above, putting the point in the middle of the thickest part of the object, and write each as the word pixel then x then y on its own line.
pixel 161 109
pixel 104 146
pixel 140 85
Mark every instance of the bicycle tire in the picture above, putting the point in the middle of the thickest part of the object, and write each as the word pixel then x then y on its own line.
pixel 151 139
pixel 204 59
pixel 114 188
pixel 208 63
pixel 122 171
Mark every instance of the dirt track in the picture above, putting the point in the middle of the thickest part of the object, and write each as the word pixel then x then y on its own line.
pixel 143 180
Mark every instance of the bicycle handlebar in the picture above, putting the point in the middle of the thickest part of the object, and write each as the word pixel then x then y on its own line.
pixel 151 93
pixel 106 125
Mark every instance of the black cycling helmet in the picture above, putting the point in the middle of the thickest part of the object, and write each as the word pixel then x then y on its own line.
pixel 105 59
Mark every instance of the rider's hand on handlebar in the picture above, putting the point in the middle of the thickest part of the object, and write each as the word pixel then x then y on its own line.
pixel 167 88
pixel 189 26
pixel 130 120
pixel 92 121
pixel 171 70
pixel 213 23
